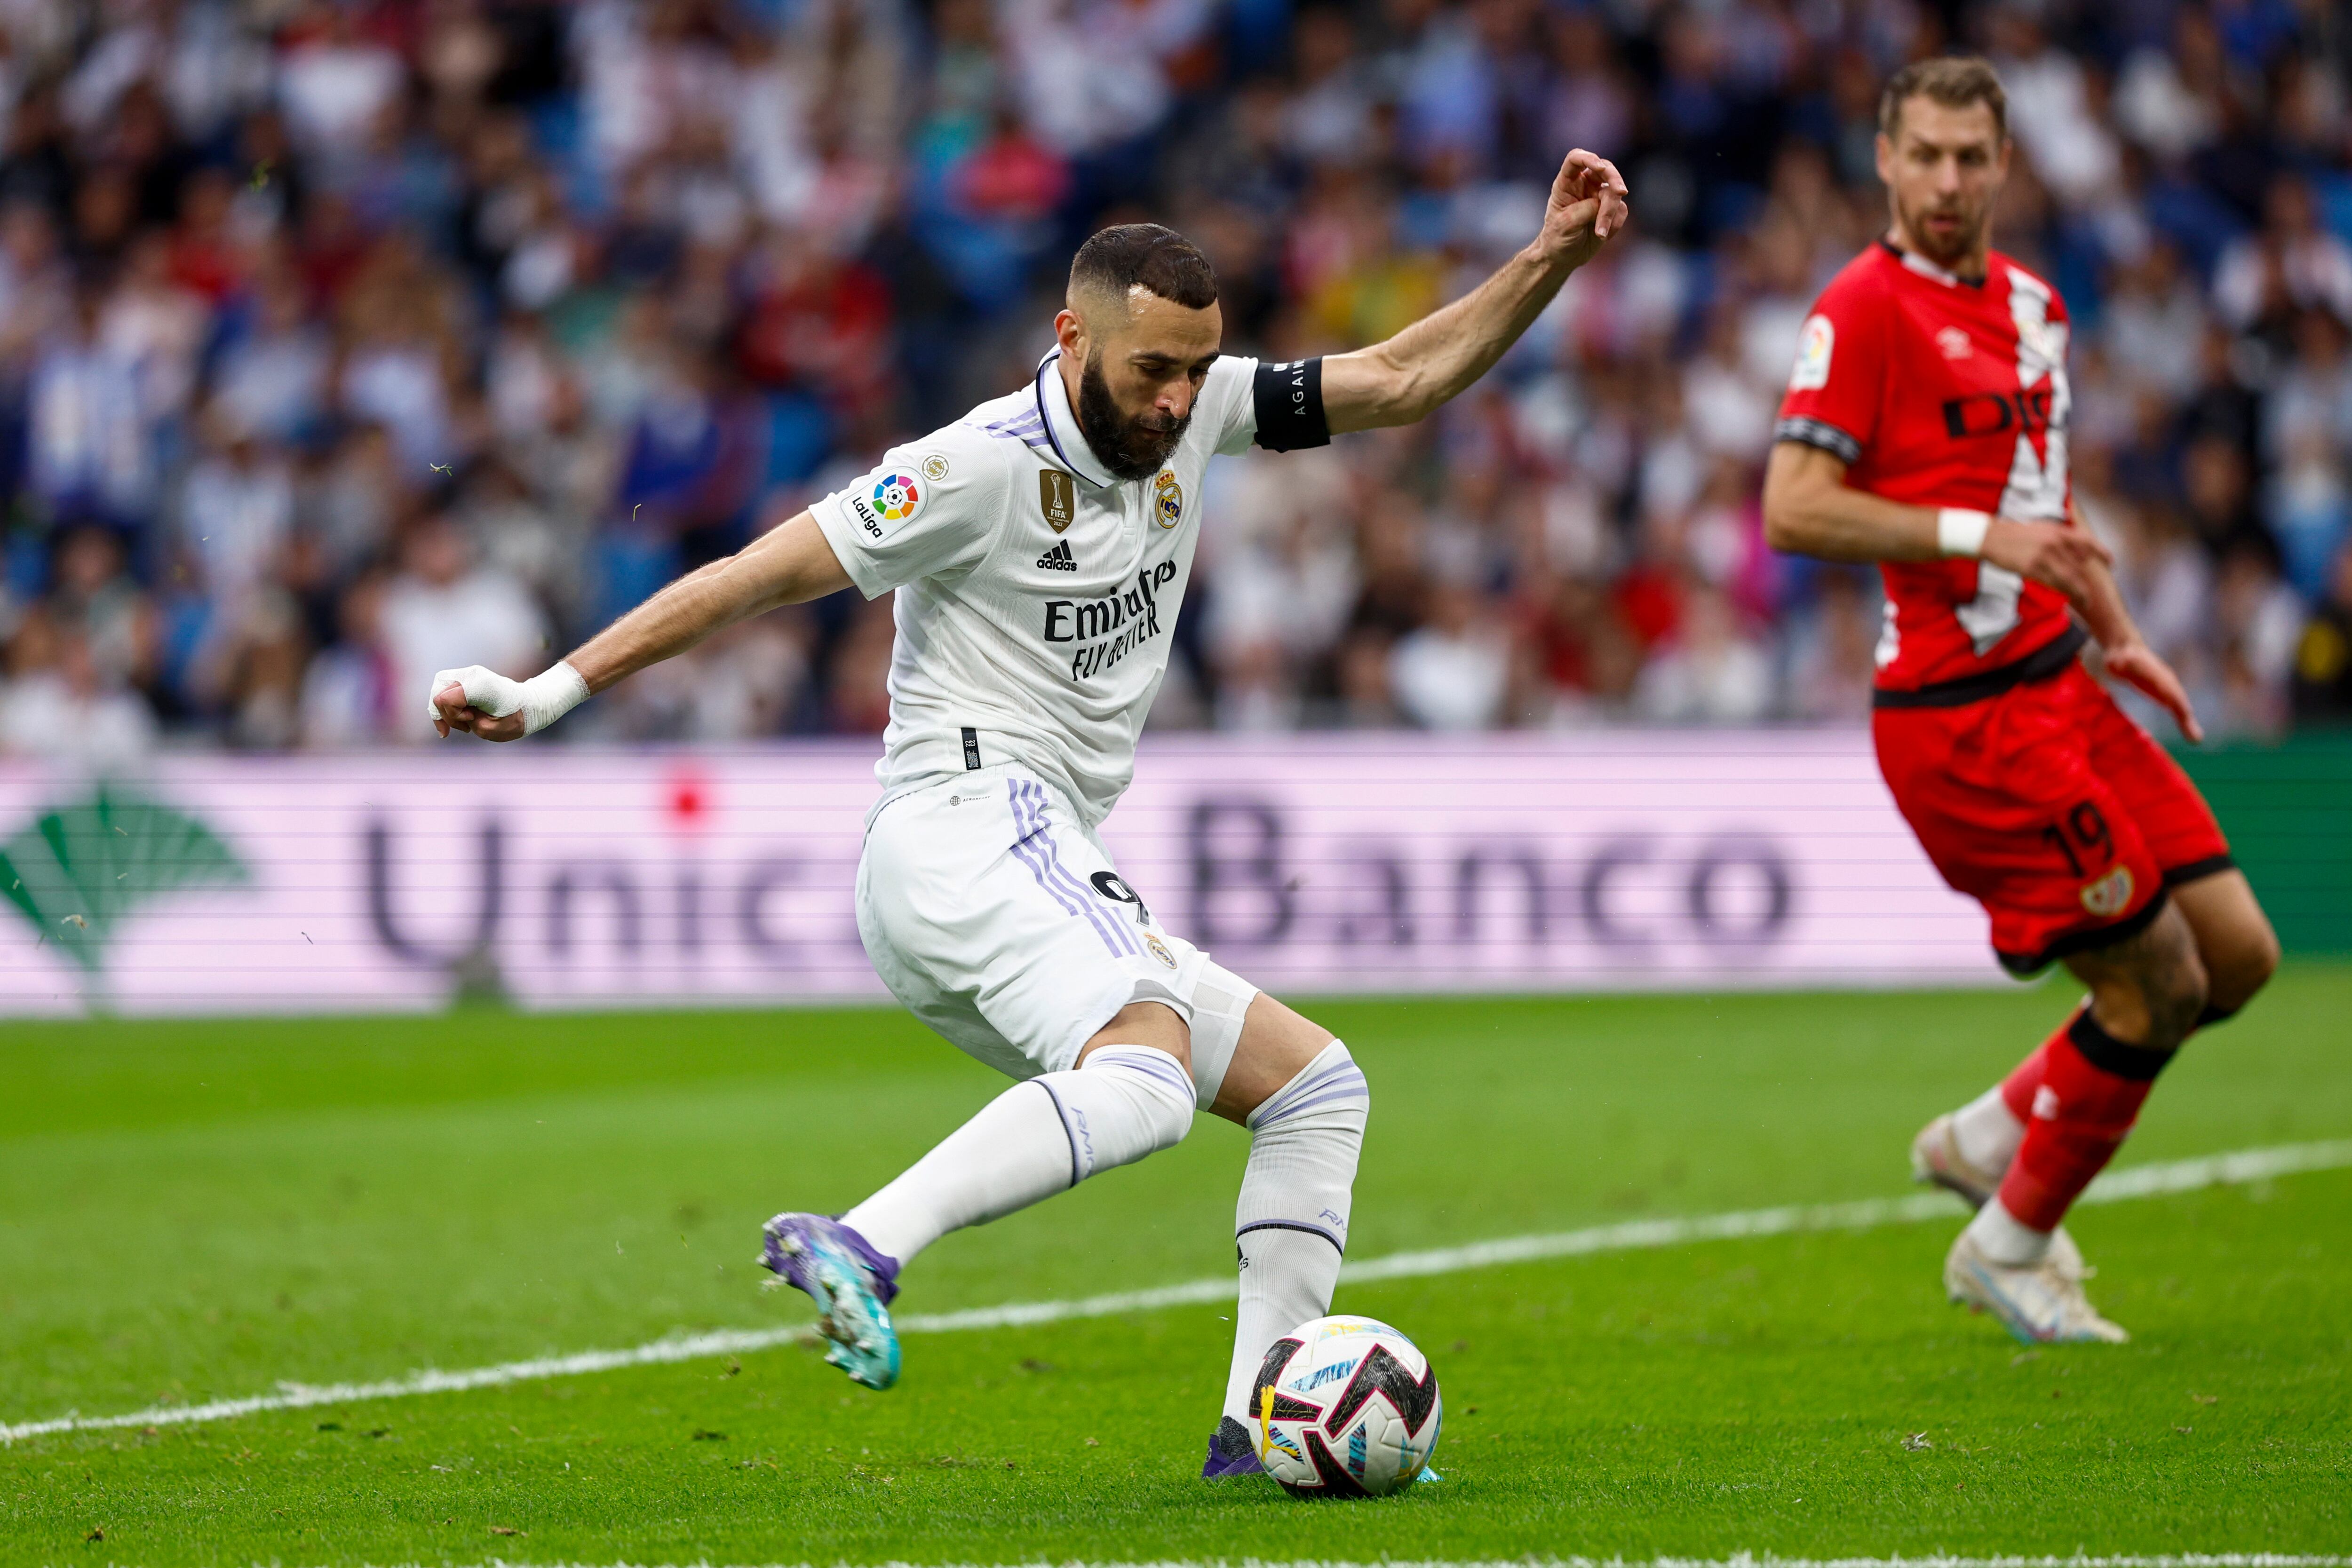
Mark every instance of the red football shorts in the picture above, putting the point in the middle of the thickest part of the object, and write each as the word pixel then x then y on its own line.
pixel 2051 808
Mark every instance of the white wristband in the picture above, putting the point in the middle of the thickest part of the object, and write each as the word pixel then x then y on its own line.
pixel 1960 531
pixel 542 699
pixel 549 695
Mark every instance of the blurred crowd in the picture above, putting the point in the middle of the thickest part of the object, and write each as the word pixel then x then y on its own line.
pixel 342 341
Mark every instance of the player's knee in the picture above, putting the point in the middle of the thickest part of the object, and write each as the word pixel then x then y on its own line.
pixel 1330 1090
pixel 2243 967
pixel 1144 1099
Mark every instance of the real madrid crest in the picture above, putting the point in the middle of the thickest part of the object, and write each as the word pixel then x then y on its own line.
pixel 1167 500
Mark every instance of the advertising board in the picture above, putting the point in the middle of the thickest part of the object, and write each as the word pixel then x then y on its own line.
pixel 1312 865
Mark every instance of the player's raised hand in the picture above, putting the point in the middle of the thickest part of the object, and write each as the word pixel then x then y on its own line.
pixel 1588 206
pixel 2051 553
pixel 2137 665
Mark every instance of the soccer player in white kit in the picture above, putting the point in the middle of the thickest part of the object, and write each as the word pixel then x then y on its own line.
pixel 1039 549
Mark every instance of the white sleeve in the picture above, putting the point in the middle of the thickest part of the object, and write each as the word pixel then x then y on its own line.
pixel 1230 397
pixel 931 508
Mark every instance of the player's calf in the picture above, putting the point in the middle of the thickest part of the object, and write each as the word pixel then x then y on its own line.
pixel 1037 1138
pixel 1291 1221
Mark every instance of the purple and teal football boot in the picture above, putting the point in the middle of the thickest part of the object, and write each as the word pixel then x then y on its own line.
pixel 1231 1453
pixel 852 1285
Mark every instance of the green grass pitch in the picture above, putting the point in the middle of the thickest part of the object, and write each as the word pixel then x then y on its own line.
pixel 195 1211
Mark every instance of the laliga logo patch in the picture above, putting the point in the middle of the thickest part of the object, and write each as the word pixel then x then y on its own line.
pixel 2111 894
pixel 896 499
pixel 1168 498
pixel 1815 344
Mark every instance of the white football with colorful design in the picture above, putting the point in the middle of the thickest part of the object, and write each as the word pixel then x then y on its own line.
pixel 1345 1406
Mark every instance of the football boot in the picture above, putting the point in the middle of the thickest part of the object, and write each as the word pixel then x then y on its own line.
pixel 2040 1303
pixel 1936 1157
pixel 852 1285
pixel 1231 1452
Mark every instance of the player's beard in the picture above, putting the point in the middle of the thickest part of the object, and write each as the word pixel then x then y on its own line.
pixel 1128 447
pixel 1953 251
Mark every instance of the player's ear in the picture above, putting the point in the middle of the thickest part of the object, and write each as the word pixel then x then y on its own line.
pixel 1070 331
pixel 1885 159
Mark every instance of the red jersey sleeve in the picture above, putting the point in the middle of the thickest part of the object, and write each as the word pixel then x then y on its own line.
pixel 1836 385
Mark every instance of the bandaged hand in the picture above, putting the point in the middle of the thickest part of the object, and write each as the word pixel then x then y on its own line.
pixel 540 701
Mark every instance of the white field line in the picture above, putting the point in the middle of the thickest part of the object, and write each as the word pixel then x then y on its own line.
pixel 2114 1186
pixel 1743 1559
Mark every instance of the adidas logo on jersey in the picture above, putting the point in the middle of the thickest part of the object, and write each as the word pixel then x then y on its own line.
pixel 1059 559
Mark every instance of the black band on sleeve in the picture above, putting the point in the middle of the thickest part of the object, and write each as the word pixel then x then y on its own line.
pixel 1820 433
pixel 1290 406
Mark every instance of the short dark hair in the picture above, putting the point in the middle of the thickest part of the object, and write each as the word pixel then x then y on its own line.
pixel 1126 256
pixel 1953 80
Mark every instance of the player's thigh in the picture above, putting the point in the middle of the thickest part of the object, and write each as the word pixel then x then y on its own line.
pixel 996 906
pixel 904 943
pixel 2164 805
pixel 2005 800
pixel 2233 936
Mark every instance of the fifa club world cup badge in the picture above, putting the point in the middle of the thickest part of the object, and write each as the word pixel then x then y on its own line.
pixel 1057 499
pixel 1167 500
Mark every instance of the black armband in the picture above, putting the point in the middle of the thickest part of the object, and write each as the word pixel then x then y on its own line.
pixel 1290 406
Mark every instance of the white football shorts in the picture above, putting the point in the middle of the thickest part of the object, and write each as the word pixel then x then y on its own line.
pixel 999 920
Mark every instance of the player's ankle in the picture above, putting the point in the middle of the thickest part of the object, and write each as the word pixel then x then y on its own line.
pixel 2006 1239
pixel 1986 1132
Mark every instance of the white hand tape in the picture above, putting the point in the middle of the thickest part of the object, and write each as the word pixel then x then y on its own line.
pixel 542 699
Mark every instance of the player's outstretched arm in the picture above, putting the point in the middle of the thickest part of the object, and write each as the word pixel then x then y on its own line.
pixel 1436 358
pixel 2128 657
pixel 1809 509
pixel 789 564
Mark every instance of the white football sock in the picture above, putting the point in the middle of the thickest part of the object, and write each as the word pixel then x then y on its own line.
pixel 2005 1238
pixel 1291 1224
pixel 1987 1132
pixel 1031 1142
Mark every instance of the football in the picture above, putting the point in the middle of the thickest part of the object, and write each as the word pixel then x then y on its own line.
pixel 1345 1406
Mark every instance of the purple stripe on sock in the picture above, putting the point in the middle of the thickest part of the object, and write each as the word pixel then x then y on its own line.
pixel 1284 1098
pixel 1292 1224
pixel 1157 1065
pixel 1356 1091
pixel 1076 1175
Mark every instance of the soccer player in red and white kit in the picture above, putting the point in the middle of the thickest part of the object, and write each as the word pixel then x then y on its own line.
pixel 1924 429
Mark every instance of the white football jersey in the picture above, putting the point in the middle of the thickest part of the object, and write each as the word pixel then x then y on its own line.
pixel 1037 594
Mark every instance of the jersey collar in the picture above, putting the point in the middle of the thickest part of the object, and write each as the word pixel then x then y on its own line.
pixel 1926 269
pixel 1061 426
